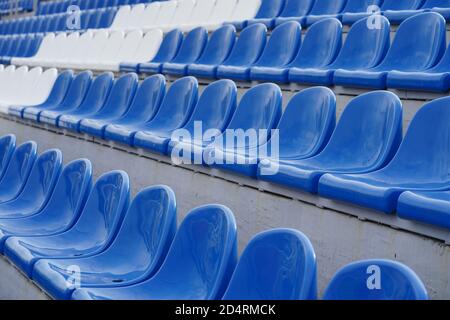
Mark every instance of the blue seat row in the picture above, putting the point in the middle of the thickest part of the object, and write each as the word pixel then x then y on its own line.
pixel 8 7
pixel 275 12
pixel 364 161
pixel 18 46
pixel 101 246
pixel 89 19
pixel 417 59
pixel 46 8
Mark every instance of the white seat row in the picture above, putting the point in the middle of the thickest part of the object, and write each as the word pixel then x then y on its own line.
pixel 95 49
pixel 20 86
pixel 184 14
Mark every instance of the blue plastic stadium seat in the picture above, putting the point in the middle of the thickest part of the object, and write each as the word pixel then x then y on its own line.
pixel 279 264
pixel 364 48
pixel 167 51
pixel 428 207
pixel 421 164
pixel 323 9
pixel 259 109
pixel 216 51
pixel 213 111
pixel 17 171
pixel 76 94
pixel 92 233
pixel 37 189
pixel 59 214
pixel 117 104
pixel 7 147
pixel 366 138
pixel 320 46
pixel 355 10
pixel 75 91
pixel 418 45
pixel 399 10
pixel 190 50
pixel 143 109
pixel 93 102
pixel 269 10
pixel 303 131
pixel 135 255
pixel 436 79
pixel 294 10
pixel 246 51
pixel 206 238
pixel 376 280
pixel 180 100
pixel 175 108
pixel 281 49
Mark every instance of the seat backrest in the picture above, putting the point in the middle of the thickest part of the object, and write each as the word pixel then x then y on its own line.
pixel 74 184
pixel 219 46
pixel 29 84
pixel 245 10
pixel 46 46
pixel 58 48
pixel 364 47
pixel 215 107
pixel 322 7
pixel 120 96
pixel 129 46
pixel 43 176
pixel 283 45
pixel 43 87
pixel 60 88
pixel 424 153
pixel 7 147
pixel 419 43
pixel 166 12
pixel 94 21
pixel 148 228
pixel 401 4
pixel 202 11
pixel 192 46
pixel 148 46
pixel 430 4
pixel 368 133
pixel 149 15
pixel 98 92
pixel 207 238
pixel 259 108
pixel 297 8
pixel 270 9
pixel 19 168
pixel 100 40
pixel 122 18
pixel 104 210
pixel 375 280
pixel 112 46
pixel 82 46
pixel 169 46
pixel 70 47
pixel 177 105
pixel 278 264
pixel 320 45
pixel 249 46
pixel 307 123
pixel 34 46
pixel 77 90
pixel 136 13
pixel 222 11
pixel 147 99
pixel 183 12
pixel 354 6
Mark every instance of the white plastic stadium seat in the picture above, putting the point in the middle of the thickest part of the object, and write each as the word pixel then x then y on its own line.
pixel 122 17
pixel 245 9
pixel 166 13
pixel 182 15
pixel 200 13
pixel 148 47
pixel 222 12
pixel 149 15
pixel 135 17
pixel 44 49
